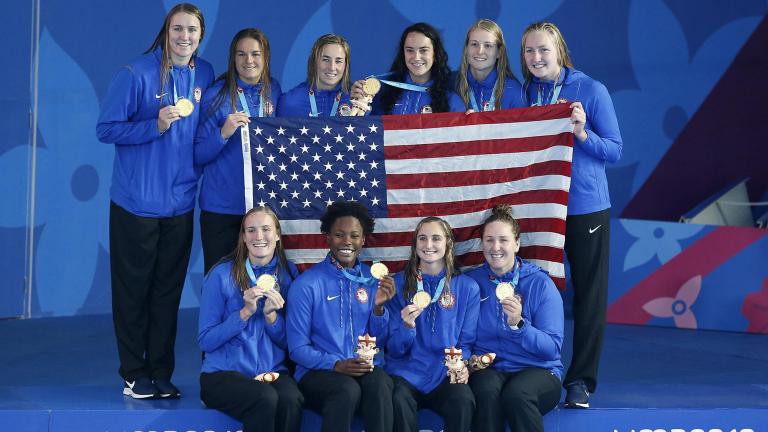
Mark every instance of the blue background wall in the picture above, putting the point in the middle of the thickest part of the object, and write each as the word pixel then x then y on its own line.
pixel 670 66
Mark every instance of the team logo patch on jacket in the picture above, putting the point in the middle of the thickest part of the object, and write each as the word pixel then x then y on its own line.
pixel 447 301
pixel 198 94
pixel 362 295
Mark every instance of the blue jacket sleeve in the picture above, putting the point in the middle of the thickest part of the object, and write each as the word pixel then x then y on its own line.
pixel 542 334
pixel 399 338
pixel 120 104
pixel 299 328
pixel 468 333
pixel 276 331
pixel 215 328
pixel 208 140
pixel 603 137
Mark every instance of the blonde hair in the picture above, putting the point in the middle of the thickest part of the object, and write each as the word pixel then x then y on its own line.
pixel 317 49
pixel 502 63
pixel 563 58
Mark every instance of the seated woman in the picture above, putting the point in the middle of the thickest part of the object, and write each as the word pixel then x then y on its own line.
pixel 435 309
pixel 242 330
pixel 333 304
pixel 484 81
pixel 521 321
pixel 326 90
pixel 245 90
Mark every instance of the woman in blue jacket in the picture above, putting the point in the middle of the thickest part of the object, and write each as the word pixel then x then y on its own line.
pixel 551 78
pixel 242 330
pixel 484 81
pixel 524 330
pixel 244 91
pixel 150 113
pixel 332 304
pixel 419 334
pixel 326 90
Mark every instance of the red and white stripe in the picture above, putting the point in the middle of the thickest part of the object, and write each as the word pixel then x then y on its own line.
pixel 458 166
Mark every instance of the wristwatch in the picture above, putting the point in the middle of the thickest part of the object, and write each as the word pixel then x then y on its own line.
pixel 519 325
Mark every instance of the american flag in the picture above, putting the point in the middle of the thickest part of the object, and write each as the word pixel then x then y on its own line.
pixel 407 167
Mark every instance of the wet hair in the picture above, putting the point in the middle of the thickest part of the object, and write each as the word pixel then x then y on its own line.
pixel 317 50
pixel 239 256
pixel 502 62
pixel 440 74
pixel 502 213
pixel 340 209
pixel 411 269
pixel 161 40
pixel 230 76
pixel 563 58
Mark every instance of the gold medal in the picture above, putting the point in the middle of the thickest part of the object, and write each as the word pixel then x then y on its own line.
pixel 266 282
pixel 379 270
pixel 371 86
pixel 185 107
pixel 421 299
pixel 504 290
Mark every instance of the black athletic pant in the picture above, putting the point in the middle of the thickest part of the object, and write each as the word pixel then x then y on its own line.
pixel 587 242
pixel 522 398
pixel 337 397
pixel 260 406
pixel 149 258
pixel 454 402
pixel 219 234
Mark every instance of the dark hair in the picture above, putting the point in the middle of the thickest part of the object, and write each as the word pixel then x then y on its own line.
pixel 340 209
pixel 230 76
pixel 161 40
pixel 440 74
pixel 502 213
pixel 239 256
pixel 411 270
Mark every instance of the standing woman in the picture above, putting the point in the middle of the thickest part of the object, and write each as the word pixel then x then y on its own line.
pixel 326 90
pixel 245 90
pixel 421 64
pixel 524 328
pixel 550 78
pixel 419 333
pixel 150 113
pixel 331 305
pixel 485 81
pixel 242 330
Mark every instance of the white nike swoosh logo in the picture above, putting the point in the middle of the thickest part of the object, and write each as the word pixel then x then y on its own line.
pixel 592 230
pixel 484 299
pixel 131 384
pixel 157 96
pixel 329 298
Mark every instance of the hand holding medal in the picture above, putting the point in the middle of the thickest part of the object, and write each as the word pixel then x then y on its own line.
pixel 185 107
pixel 274 301
pixel 504 290
pixel 386 289
pixel 361 104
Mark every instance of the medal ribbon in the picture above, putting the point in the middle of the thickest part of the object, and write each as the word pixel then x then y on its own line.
pixel 491 103
pixel 191 82
pixel 399 84
pixel 515 279
pixel 241 96
pixel 313 104
pixel 252 275
pixel 438 291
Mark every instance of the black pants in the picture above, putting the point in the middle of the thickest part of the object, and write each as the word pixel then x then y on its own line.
pixel 454 402
pixel 587 242
pixel 260 406
pixel 219 234
pixel 337 397
pixel 149 258
pixel 522 398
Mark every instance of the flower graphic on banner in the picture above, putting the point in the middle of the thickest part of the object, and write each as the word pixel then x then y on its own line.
pixel 655 239
pixel 755 309
pixel 679 307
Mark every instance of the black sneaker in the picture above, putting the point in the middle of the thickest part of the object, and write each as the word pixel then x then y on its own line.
pixel 140 388
pixel 166 389
pixel 577 395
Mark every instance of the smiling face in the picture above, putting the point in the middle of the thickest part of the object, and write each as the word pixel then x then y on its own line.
pixel 249 60
pixel 419 56
pixel 183 37
pixel 260 236
pixel 500 246
pixel 541 56
pixel 330 65
pixel 345 240
pixel 482 51
pixel 431 244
